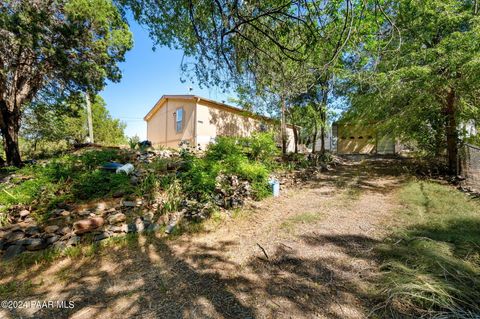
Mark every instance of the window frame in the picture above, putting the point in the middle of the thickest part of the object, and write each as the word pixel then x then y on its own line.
pixel 177 121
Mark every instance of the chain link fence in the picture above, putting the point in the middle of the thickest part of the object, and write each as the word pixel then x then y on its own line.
pixel 469 156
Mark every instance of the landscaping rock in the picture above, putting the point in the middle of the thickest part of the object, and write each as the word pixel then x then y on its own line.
pixel 57 211
pixel 119 229
pixel 117 218
pixel 148 216
pixel 84 213
pixel 170 228
pixel 153 228
pixel 73 241
pixel 51 229
pixel 35 244
pixel 64 230
pixel 101 207
pixel 134 180
pixel 24 213
pixel 88 225
pixel 51 239
pixel 65 213
pixel 13 251
pixel 32 231
pixel 129 204
pixel 101 236
pixel 140 225
pixel 60 245
pixel 118 193
pixel 14 236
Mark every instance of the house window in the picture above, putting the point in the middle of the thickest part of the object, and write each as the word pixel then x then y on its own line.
pixel 179 120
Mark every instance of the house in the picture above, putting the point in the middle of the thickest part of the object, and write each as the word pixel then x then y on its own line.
pixel 350 139
pixel 198 121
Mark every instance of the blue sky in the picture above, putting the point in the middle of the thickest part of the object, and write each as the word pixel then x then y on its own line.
pixel 147 75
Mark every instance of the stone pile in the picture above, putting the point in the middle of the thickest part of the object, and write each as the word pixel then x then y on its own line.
pixel 195 211
pixel 150 155
pixel 61 232
pixel 230 192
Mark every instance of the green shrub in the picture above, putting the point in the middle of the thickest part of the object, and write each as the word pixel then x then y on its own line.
pixel 262 147
pixel 241 157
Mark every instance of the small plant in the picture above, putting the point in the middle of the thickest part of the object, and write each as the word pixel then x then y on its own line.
pixel 133 142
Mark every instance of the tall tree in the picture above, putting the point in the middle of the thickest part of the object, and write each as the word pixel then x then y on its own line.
pixel 58 46
pixel 425 81
pixel 67 122
pixel 278 47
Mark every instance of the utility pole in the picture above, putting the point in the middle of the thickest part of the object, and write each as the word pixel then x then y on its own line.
pixel 89 118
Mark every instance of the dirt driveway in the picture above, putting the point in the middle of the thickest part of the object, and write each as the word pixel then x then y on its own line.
pixel 307 254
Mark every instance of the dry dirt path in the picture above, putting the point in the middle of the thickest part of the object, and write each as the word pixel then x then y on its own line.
pixel 306 254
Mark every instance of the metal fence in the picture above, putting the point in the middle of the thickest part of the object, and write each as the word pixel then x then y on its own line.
pixel 470 166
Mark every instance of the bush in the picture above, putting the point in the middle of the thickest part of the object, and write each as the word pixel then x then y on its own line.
pixel 242 157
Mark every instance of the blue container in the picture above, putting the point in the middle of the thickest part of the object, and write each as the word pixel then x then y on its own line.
pixel 275 187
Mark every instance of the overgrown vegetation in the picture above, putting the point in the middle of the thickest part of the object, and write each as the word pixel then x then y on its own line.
pixel 68 178
pixel 249 158
pixel 78 177
pixel 432 265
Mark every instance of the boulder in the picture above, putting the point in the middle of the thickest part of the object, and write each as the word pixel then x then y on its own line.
pixel 64 230
pixel 13 251
pixel 102 235
pixel 73 241
pixel 119 229
pixel 101 207
pixel 35 244
pixel 65 213
pixel 134 180
pixel 117 218
pixel 129 204
pixel 32 231
pixel 87 225
pixel 24 213
pixel 148 216
pixel 51 229
pixel 57 211
pixel 14 236
pixel 51 239
pixel 153 228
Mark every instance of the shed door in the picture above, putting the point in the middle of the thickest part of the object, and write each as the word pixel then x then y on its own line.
pixel 385 145
pixel 356 144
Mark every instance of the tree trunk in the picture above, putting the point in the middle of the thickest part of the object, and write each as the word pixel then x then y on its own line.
pixel 9 127
pixel 322 139
pixel 323 117
pixel 314 145
pixel 284 127
pixel 452 133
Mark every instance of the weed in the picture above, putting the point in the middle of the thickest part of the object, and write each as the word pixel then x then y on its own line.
pixel 432 264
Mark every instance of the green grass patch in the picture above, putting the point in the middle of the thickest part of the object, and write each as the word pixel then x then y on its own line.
pixel 291 223
pixel 431 266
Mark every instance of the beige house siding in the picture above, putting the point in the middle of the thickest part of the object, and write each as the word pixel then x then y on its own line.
pixel 161 126
pixel 204 120
pixel 213 121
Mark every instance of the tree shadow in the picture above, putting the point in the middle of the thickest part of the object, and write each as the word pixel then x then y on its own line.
pixel 151 278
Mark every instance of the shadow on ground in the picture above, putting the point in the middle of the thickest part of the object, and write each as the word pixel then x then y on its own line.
pixel 153 279
pixel 150 280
